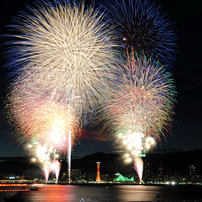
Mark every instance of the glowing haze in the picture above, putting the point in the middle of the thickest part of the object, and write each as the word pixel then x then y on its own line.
pixel 37 116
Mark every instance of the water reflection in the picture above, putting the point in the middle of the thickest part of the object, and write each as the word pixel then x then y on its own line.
pixel 107 193
pixel 54 193
pixel 46 193
pixel 138 193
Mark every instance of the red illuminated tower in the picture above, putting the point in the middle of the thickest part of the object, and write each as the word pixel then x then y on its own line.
pixel 98 172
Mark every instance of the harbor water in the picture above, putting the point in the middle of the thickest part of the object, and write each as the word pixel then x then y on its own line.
pixel 107 192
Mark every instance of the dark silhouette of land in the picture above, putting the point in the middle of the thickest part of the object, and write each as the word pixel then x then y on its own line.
pixel 173 162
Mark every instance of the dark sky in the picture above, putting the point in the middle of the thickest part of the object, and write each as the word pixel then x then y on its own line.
pixel 187 130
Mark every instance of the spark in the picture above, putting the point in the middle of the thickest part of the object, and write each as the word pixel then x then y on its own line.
pixel 37 116
pixel 139 167
pixel 142 100
pixel 143 26
pixel 67 47
pixel 138 109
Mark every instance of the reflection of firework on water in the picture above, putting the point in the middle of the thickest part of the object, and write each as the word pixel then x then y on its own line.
pixel 67 47
pixel 38 117
pixel 143 101
pixel 142 25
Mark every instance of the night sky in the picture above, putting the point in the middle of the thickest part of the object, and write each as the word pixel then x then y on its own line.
pixel 187 130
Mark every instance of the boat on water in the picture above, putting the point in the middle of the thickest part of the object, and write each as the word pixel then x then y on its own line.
pixel 34 188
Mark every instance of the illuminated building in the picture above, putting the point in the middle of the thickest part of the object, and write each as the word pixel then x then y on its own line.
pixel 160 171
pixel 98 172
pixel 121 178
pixel 146 171
pixel 192 170
pixel 76 174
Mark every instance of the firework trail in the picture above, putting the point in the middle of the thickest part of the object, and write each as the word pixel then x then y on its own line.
pixel 142 25
pixel 66 46
pixel 46 171
pixel 55 166
pixel 139 167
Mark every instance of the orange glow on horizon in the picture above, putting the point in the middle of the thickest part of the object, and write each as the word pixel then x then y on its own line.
pixel 13 185
pixel 9 190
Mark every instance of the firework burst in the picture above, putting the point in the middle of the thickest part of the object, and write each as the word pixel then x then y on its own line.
pixel 146 94
pixel 66 46
pixel 142 25
pixel 46 157
pixel 139 106
pixel 37 116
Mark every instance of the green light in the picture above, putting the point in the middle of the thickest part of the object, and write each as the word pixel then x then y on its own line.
pixel 121 178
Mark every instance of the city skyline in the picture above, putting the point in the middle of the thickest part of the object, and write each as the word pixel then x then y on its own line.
pixel 186 131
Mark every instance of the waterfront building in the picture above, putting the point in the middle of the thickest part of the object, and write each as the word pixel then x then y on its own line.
pixel 98 172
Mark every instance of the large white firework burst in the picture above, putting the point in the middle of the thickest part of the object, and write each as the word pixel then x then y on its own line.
pixel 67 46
